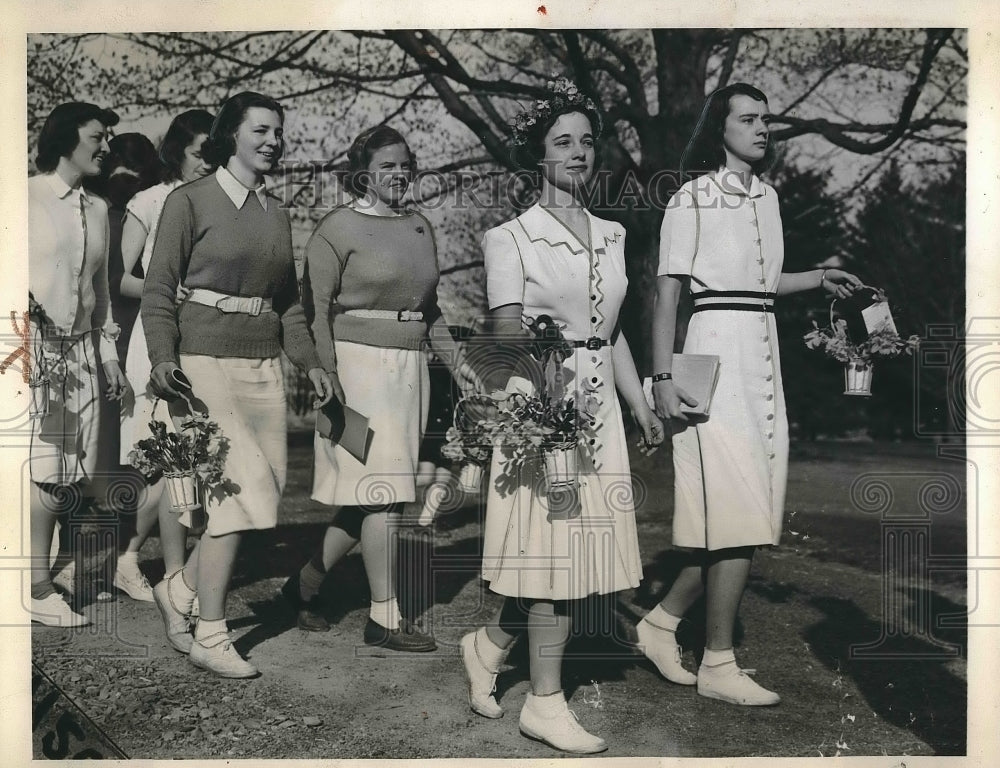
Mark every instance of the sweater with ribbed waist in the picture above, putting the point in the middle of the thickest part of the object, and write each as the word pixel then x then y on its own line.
pixel 204 240
pixel 356 260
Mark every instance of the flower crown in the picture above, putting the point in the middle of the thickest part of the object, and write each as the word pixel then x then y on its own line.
pixel 563 94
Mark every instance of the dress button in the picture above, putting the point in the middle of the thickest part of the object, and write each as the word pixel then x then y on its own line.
pixel 768 377
pixel 761 281
pixel 593 297
pixel 763 319
pixel 760 261
pixel 593 319
pixel 771 456
pixel 766 338
pixel 767 359
pixel 770 435
pixel 593 379
pixel 594 359
pixel 770 397
pixel 770 417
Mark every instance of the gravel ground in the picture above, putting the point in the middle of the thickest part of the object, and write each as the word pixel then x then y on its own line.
pixel 328 696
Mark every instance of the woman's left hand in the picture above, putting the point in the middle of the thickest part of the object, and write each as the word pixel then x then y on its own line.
pixel 467 379
pixel 844 284
pixel 117 383
pixel 322 386
pixel 652 430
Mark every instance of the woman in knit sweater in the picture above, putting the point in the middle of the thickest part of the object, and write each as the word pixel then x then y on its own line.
pixel 372 274
pixel 229 241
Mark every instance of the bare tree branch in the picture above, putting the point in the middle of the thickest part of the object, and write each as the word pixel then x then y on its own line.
pixel 730 60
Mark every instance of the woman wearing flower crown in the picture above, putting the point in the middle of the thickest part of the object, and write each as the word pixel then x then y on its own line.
pixel 544 550
pixel 721 236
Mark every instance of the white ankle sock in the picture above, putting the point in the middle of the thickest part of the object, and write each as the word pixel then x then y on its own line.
pixel 385 613
pixel 490 654
pixel 181 595
pixel 207 628
pixel 715 658
pixel 661 619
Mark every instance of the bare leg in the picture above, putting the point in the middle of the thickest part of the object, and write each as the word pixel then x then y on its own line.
pixel 209 570
pixel 548 633
pixel 173 535
pixel 686 589
pixel 728 571
pixel 380 553
pixel 146 516
pixel 507 624
pixel 43 524
pixel 336 544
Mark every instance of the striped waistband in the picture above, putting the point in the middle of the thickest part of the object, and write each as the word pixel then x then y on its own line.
pixel 756 301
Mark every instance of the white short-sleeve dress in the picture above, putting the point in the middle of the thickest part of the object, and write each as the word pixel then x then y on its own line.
pixel 731 470
pixel 146 206
pixel 532 548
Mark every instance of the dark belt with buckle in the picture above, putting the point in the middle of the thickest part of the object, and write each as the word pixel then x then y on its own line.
pixel 594 343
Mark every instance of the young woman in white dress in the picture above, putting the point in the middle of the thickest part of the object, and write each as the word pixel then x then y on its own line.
pixel 542 550
pixel 180 156
pixel 721 237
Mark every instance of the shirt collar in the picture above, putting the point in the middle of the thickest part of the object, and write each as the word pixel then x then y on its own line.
pixel 539 224
pixel 235 190
pixel 64 190
pixel 732 182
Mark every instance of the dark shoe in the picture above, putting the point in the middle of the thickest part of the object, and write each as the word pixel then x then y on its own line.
pixel 406 638
pixel 309 617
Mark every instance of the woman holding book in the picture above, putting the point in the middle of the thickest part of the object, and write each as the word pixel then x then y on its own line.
pixel 372 276
pixel 545 550
pixel 721 237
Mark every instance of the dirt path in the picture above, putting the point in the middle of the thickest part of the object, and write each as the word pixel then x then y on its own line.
pixel 328 696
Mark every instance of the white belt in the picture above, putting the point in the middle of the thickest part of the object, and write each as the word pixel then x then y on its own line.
pixel 248 305
pixel 402 316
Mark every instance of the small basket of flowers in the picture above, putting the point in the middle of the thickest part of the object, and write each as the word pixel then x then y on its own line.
pixel 883 342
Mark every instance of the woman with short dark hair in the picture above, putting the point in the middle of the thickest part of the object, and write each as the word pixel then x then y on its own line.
pixel 229 241
pixel 70 305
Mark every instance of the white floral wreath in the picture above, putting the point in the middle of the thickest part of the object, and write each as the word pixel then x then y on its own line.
pixel 564 93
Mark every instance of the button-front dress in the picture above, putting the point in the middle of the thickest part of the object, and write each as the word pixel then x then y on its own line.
pixel 731 470
pixel 531 548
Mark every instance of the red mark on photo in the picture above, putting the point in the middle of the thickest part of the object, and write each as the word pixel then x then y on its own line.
pixel 541 10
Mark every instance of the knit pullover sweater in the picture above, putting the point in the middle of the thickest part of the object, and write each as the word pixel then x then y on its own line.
pixel 204 241
pixel 356 260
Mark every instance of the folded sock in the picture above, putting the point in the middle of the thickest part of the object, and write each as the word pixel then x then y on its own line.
pixel 385 613
pixel 180 594
pixel 660 618
pixel 207 628
pixel 715 658
pixel 311 579
pixel 490 654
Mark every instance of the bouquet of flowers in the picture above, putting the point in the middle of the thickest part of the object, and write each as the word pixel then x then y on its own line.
pixel 541 422
pixel 195 456
pixel 858 358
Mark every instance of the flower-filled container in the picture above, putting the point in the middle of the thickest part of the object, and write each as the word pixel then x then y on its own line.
pixel 561 468
pixel 191 459
pixel 883 342
pixel 858 378
pixel 182 488
pixel 470 477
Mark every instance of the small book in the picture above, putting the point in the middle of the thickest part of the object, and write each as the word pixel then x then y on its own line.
pixel 343 425
pixel 695 374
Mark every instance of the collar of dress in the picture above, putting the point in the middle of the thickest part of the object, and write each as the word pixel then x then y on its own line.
pixel 541 226
pixel 63 190
pixel 235 190
pixel 731 182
